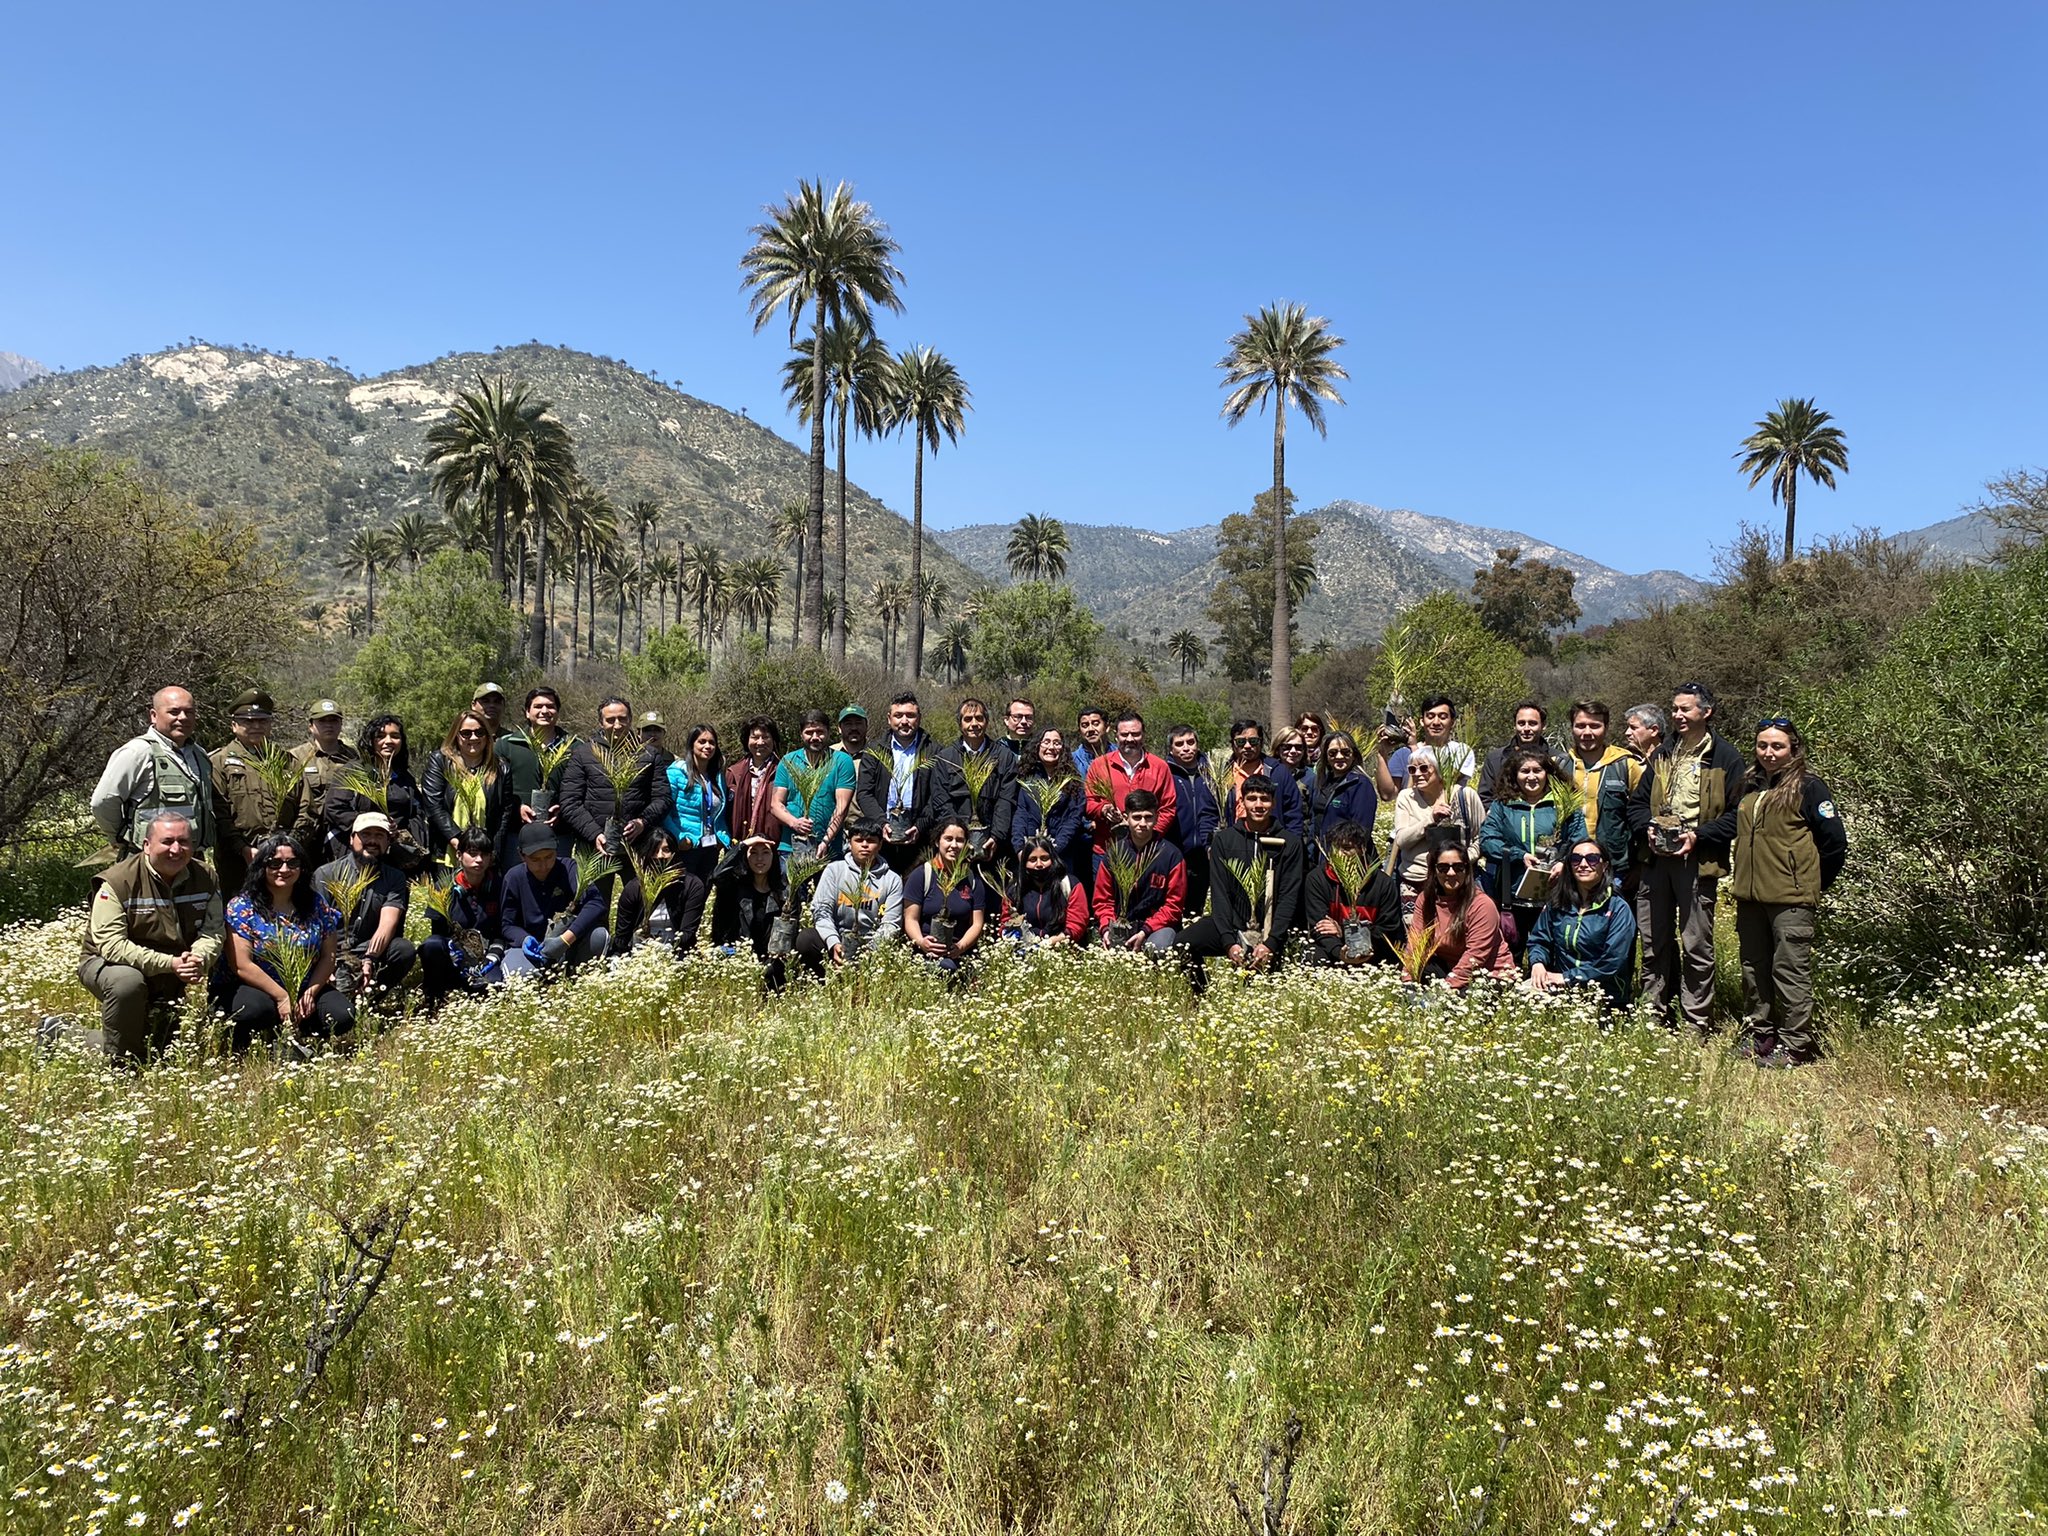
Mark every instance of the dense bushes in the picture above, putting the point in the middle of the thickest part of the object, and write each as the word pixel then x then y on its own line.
pixel 1937 752
pixel 444 631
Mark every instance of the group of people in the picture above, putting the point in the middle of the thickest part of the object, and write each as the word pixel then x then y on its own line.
pixel 536 850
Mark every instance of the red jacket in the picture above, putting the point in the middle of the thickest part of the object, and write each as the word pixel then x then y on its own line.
pixel 1110 782
pixel 1160 896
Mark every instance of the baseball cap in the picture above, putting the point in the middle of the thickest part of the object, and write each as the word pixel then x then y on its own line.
pixel 652 721
pixel 371 821
pixel 536 835
pixel 853 709
pixel 487 691
pixel 321 709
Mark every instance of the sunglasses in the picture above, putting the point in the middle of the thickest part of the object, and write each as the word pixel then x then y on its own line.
pixel 280 863
pixel 1697 690
pixel 1457 868
pixel 460 735
pixel 1589 858
pixel 1775 723
pixel 1247 741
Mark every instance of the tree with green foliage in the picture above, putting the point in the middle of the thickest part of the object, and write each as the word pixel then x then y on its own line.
pixel 928 399
pixel 1033 631
pixel 368 551
pixel 1038 549
pixel 1933 753
pixel 750 680
pixel 1523 604
pixel 670 657
pixel 786 526
pixel 499 446
pixel 830 255
pixel 444 629
pixel 1792 440
pixel 857 379
pixel 117 588
pixel 1187 648
pixel 1241 603
pixel 1439 646
pixel 1285 356
pixel 757 592
pixel 414 536
pixel 643 517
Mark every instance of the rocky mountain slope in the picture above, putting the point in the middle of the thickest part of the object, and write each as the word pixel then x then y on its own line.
pixel 16 370
pixel 1968 539
pixel 1372 563
pixel 318 452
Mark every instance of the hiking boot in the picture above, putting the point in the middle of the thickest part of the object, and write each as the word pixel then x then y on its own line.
pixel 1750 1047
pixel 1780 1060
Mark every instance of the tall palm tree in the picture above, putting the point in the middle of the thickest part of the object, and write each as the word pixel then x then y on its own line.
pixel 367 552
pixel 927 396
pixel 600 539
pixel 1794 438
pixel 1186 647
pixel 1038 549
pixel 757 591
pixel 891 597
pixel 642 516
pixel 829 254
pixel 789 526
pixel 704 578
pixel 932 592
pixel 953 649
pixel 415 536
pixel 857 379
pixel 1286 356
pixel 659 573
pixel 618 578
pixel 499 445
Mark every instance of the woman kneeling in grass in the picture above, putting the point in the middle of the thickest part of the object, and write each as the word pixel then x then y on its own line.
pixel 1585 935
pixel 278 968
pixel 1047 905
pixel 945 903
pixel 1463 922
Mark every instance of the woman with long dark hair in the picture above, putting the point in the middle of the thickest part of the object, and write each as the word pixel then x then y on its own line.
pixel 1585 935
pixel 277 972
pixel 1789 847
pixel 1338 790
pixel 1050 804
pixel 383 774
pixel 751 908
pixel 1522 840
pixel 945 901
pixel 1045 904
pixel 1463 923
pixel 697 816
pixel 466 788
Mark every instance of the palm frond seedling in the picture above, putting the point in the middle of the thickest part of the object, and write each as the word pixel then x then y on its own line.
pixel 1409 652
pixel 346 889
pixel 976 769
pixel 434 896
pixel 552 757
pixel 1351 872
pixel 1253 877
pixel 278 772
pixel 1414 951
pixel 655 879
pixel 947 882
pixel 1665 830
pixel 901 778
pixel 1045 793
pixel 592 869
pixel 620 764
pixel 1126 868
pixel 802 871
pixel 372 782
pixel 859 914
pixel 806 778
pixel 471 809
pixel 1567 799
pixel 1455 762
pixel 292 959
pixel 1219 764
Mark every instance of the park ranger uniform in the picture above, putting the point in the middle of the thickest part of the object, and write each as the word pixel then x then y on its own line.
pixel 147 775
pixel 245 811
pixel 318 771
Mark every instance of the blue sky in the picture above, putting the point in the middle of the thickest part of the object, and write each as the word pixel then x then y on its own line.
pixel 1575 249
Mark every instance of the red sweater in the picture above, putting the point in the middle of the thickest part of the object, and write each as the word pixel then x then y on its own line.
pixel 1479 948
pixel 1110 782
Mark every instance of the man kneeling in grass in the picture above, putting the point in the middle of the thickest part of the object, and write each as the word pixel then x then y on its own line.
pixel 858 902
pixel 548 924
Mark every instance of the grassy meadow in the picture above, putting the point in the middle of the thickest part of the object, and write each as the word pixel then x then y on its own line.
pixel 1059 1254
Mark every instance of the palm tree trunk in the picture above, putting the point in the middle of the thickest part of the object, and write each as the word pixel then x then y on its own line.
pixel 839 613
pixel 575 602
pixel 369 599
pixel 796 623
pixel 1282 695
pixel 619 640
pixel 640 599
pixel 537 637
pixel 916 564
pixel 1791 509
pixel 811 611
pixel 498 536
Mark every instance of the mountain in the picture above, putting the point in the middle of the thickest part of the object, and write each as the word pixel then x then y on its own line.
pixel 1372 562
pixel 316 452
pixel 16 370
pixel 1969 539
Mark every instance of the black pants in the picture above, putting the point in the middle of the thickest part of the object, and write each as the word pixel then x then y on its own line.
pixel 811 952
pixel 1196 862
pixel 252 1016
pixel 1206 939
pixel 386 972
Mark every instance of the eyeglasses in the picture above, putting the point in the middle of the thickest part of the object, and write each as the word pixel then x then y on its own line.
pixel 1775 723
pixel 1455 868
pixel 463 735
pixel 1589 858
pixel 280 863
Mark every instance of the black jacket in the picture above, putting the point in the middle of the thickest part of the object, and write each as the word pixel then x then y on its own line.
pixel 438 796
pixel 588 800
pixel 995 809
pixel 1229 906
pixel 871 790
pixel 1720 793
pixel 1379 904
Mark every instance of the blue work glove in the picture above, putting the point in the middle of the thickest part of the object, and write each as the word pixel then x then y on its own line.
pixel 534 951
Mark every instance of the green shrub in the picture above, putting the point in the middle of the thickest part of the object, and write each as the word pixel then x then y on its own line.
pixel 442 632
pixel 781 685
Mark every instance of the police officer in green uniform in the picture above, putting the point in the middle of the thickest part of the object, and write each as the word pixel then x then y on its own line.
pixel 153 932
pixel 160 770
pixel 245 809
pixel 322 760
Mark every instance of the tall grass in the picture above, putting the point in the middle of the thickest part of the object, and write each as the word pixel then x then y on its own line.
pixel 1055 1254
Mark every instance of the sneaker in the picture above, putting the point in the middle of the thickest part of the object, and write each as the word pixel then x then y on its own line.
pixel 1779 1060
pixel 1749 1047
pixel 50 1029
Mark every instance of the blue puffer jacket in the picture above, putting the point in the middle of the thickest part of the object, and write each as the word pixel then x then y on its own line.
pixel 1195 811
pixel 1066 824
pixel 1352 798
pixel 1589 945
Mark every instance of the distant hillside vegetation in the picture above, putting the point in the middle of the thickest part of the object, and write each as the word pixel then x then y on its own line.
pixel 1372 563
pixel 318 452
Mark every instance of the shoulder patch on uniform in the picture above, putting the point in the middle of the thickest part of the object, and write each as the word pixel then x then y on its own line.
pixel 1827 808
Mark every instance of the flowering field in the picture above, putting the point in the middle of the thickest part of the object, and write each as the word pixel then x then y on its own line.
pixel 1058 1255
